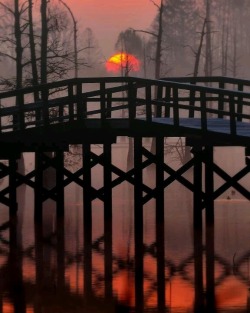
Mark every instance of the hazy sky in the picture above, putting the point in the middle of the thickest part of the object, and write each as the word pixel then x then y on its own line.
pixel 107 18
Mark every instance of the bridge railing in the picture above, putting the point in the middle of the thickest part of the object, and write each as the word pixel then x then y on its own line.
pixel 124 97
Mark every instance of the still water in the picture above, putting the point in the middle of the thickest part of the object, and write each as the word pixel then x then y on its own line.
pixel 49 268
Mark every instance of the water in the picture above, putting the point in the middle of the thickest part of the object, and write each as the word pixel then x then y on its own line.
pixel 51 268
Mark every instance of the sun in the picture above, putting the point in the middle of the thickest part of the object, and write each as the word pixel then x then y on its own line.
pixel 122 61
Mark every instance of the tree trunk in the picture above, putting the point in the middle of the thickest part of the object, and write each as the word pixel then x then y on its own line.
pixel 209 61
pixel 32 46
pixel 44 41
pixel 19 49
pixel 159 44
pixel 198 54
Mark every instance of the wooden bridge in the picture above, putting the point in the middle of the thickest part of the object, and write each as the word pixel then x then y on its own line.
pixel 208 112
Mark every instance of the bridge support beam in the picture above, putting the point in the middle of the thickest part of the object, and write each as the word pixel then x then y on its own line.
pixel 49 181
pixel 138 224
pixel 108 227
pixel 197 194
pixel 13 186
pixel 87 219
pixel 160 221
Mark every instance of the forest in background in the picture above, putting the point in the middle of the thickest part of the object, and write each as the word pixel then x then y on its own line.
pixel 41 41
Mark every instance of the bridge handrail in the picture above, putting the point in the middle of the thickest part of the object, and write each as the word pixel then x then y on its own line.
pixel 75 98
pixel 178 82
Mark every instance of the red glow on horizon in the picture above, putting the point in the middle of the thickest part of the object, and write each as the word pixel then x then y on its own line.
pixel 122 61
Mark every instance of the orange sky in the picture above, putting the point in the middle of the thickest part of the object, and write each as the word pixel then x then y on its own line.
pixel 108 18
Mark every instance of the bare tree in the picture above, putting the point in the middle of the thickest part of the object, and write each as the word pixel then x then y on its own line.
pixel 44 41
pixel 208 59
pixel 33 58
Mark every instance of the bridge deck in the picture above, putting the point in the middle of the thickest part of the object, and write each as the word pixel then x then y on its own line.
pixel 95 131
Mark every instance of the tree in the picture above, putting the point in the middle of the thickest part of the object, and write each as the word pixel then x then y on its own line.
pixel 209 58
pixel 91 53
pixel 129 42
pixel 33 58
pixel 40 49
pixel 44 41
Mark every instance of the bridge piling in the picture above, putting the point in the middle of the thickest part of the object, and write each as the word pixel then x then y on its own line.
pixel 197 182
pixel 160 221
pixel 13 185
pixel 138 224
pixel 87 218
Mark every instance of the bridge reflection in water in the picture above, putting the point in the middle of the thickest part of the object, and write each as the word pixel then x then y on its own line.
pixel 102 265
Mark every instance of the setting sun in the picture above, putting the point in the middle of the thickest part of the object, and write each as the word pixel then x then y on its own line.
pixel 119 61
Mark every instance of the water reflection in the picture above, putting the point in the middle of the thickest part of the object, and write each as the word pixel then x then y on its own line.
pixel 46 277
pixel 78 264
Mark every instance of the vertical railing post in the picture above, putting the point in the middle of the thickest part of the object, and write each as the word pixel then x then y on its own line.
pixel 45 103
pixel 192 101
pixel 148 104
pixel 103 102
pixel 21 116
pixel 203 111
pixel 176 106
pixel 109 105
pixel 131 101
pixel 80 109
pixel 221 100
pixel 158 107
pixel 240 104
pixel 168 101
pixel 232 115
pixel 71 101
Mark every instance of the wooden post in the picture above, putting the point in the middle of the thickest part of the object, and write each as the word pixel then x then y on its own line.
pixel 138 225
pixel 240 105
pixel 197 212
pixel 103 103
pixel 107 172
pixel 87 216
pixel 60 254
pixel 176 116
pixel 12 186
pixel 71 102
pixel 45 108
pixel 38 214
pixel 160 224
pixel 16 291
pixel 221 100
pixel 59 155
pixel 148 103
pixel 192 101
pixel 39 262
pixel 131 101
pixel 80 108
pixel 209 186
pixel 210 271
pixel 198 271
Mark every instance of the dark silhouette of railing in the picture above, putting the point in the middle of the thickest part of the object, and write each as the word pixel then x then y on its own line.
pixel 105 98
